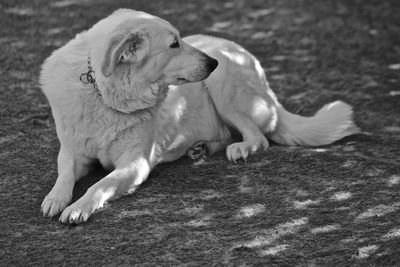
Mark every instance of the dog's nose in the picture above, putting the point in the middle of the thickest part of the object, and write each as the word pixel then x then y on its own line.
pixel 212 64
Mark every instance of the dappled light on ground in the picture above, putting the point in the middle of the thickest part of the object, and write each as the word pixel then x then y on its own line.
pixel 250 211
pixel 269 236
pixel 367 251
pixel 243 186
pixel 378 211
pixel 393 180
pixel 272 251
pixel 67 3
pixel 341 196
pixel 325 229
pixel 394 233
pixel 209 194
pixel 319 150
pixel 133 213
pixel 305 204
pixel 204 221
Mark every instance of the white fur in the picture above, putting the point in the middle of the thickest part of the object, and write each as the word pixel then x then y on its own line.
pixel 157 104
pixel 331 123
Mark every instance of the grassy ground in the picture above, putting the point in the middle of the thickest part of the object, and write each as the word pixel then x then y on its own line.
pixel 337 205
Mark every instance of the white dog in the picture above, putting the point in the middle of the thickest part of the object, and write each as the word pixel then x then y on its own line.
pixel 131 93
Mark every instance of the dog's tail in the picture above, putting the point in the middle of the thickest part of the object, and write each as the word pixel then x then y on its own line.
pixel 331 123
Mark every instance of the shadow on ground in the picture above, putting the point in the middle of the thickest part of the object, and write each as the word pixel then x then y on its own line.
pixel 335 205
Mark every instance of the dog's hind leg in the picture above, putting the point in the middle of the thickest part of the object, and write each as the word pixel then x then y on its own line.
pixel 70 169
pixel 253 138
pixel 247 112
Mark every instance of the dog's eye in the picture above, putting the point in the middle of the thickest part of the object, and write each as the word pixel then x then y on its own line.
pixel 175 44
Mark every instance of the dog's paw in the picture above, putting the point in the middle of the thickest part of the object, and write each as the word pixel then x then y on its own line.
pixel 54 203
pixel 240 151
pixel 198 150
pixel 78 212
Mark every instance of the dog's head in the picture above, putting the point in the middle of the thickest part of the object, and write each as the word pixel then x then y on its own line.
pixel 145 46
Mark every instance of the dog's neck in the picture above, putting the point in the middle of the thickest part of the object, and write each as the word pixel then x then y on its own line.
pixel 123 94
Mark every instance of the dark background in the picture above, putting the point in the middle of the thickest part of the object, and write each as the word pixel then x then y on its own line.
pixel 336 205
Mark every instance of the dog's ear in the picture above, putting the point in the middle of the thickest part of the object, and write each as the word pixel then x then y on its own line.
pixel 124 48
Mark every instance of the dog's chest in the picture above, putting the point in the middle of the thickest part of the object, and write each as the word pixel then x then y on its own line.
pixel 92 134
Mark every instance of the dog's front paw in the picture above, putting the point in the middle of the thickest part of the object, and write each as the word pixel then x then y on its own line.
pixel 78 212
pixel 55 202
pixel 240 151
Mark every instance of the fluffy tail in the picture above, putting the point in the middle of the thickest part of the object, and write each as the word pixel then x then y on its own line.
pixel 331 123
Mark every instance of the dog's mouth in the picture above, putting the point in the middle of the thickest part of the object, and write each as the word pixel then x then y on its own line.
pixel 180 81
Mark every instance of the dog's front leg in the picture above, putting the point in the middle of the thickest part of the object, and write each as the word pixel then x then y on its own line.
pixel 70 168
pixel 123 180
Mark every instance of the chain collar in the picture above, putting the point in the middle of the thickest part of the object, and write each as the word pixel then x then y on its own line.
pixel 88 78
